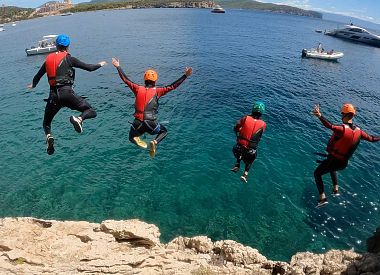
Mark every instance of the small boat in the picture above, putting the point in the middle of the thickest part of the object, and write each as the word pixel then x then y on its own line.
pixel 1 28
pixel 218 9
pixel 330 55
pixel 46 45
pixel 13 24
pixel 318 31
pixel 67 14
pixel 355 33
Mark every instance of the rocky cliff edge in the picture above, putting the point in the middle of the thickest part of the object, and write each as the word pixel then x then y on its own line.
pixel 34 246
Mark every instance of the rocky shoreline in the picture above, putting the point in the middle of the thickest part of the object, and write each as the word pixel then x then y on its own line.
pixel 35 246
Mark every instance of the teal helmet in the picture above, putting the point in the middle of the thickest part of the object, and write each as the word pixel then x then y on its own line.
pixel 258 107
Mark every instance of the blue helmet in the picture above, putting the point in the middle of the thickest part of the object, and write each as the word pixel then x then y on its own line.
pixel 62 40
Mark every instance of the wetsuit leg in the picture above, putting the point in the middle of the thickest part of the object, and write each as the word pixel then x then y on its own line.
pixel 52 108
pixel 334 178
pixel 238 154
pixel 327 166
pixel 156 128
pixel 137 129
pixel 71 100
pixel 249 157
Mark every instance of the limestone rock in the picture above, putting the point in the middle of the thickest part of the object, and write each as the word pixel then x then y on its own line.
pixel 200 244
pixel 238 253
pixel 35 246
pixel 133 231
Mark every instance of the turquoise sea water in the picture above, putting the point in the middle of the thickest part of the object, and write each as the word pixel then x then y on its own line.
pixel 188 189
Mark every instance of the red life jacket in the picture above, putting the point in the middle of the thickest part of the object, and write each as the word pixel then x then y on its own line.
pixel 343 147
pixel 251 132
pixel 146 103
pixel 58 70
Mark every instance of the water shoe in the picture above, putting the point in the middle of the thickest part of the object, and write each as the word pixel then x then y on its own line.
pixel 139 142
pixel 152 150
pixel 77 123
pixel 50 144
pixel 322 203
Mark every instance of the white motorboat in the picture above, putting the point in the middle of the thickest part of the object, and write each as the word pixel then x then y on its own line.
pixel 1 28
pixel 67 14
pixel 46 45
pixel 352 32
pixel 314 53
pixel 218 9
pixel 13 24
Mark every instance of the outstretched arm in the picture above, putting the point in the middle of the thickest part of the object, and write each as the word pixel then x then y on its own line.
pixel 164 90
pixel 76 63
pixel 38 76
pixel 123 76
pixel 369 138
pixel 336 128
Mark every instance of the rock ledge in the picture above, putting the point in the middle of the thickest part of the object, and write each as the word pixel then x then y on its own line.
pixel 34 246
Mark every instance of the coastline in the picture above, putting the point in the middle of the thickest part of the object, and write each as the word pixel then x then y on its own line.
pixel 35 246
pixel 86 7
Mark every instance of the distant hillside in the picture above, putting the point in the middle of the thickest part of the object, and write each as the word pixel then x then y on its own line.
pixel 136 4
pixel 250 4
pixel 11 14
pixel 237 4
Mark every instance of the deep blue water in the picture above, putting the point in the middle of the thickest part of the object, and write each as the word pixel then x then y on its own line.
pixel 187 189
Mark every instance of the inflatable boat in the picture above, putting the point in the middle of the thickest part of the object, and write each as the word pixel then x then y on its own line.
pixel 330 55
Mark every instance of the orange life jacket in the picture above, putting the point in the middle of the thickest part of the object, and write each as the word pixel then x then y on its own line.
pixel 58 70
pixel 343 147
pixel 251 132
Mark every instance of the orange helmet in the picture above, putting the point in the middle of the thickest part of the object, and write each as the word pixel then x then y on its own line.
pixel 150 75
pixel 348 108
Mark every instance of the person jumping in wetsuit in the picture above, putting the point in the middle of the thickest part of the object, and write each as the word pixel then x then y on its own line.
pixel 341 146
pixel 146 106
pixel 59 67
pixel 248 130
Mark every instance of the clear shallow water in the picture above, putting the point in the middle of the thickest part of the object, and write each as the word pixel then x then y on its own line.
pixel 187 189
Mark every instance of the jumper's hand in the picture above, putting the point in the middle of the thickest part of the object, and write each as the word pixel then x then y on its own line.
pixel 188 71
pixel 102 63
pixel 317 111
pixel 30 86
pixel 115 62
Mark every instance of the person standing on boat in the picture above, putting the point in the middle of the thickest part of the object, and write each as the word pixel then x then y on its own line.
pixel 146 106
pixel 248 130
pixel 319 48
pixel 59 67
pixel 341 146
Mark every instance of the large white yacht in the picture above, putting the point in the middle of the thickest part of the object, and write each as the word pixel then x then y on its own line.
pixel 356 33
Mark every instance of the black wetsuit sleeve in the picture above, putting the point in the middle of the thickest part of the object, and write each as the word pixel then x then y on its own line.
pixel 76 63
pixel 178 81
pixel 39 74
pixel 164 90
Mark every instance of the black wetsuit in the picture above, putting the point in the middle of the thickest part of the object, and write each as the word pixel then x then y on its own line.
pixel 333 163
pixel 64 95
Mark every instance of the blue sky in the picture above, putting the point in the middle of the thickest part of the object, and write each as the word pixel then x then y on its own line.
pixel 368 10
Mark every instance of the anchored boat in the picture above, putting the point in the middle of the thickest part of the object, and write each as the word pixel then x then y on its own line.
pixel 218 9
pixel 314 53
pixel 46 45
pixel 355 33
